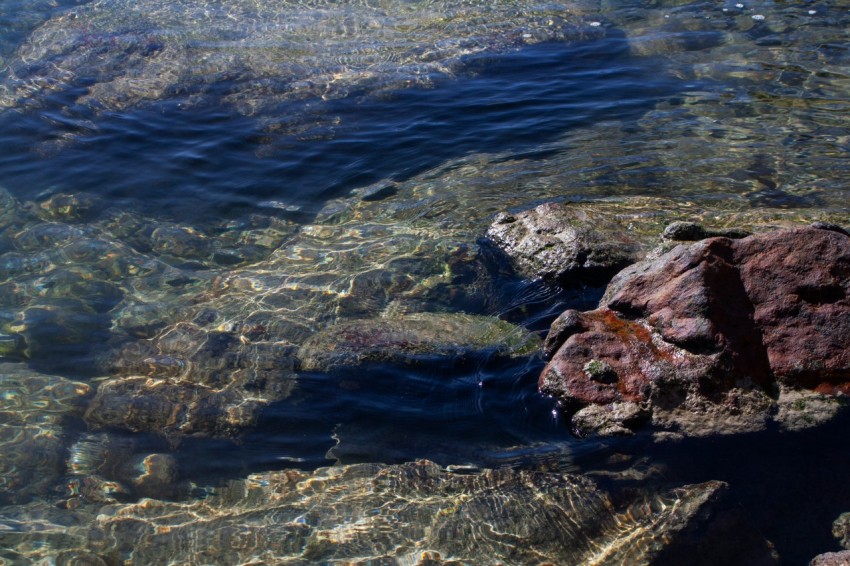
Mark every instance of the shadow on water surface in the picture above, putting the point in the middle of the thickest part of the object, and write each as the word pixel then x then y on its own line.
pixel 208 161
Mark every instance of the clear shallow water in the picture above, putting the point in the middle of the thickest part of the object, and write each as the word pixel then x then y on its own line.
pixel 214 162
pixel 237 188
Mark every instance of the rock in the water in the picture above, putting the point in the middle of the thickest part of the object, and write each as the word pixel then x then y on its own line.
pixel 841 530
pixel 154 475
pixel 613 419
pixel 34 410
pixel 181 242
pixel 175 407
pixel 589 241
pixel 102 466
pixel 715 328
pixel 832 559
pixel 404 514
pixel 192 381
pixel 116 54
pixel 564 243
pixel 415 338
pixel 681 231
pixel 69 207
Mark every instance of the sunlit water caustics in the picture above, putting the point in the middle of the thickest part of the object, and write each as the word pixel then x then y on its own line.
pixel 241 242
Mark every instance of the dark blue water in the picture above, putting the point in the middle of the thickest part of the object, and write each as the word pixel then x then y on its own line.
pixel 212 162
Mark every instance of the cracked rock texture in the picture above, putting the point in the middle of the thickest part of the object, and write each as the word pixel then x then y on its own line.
pixel 728 329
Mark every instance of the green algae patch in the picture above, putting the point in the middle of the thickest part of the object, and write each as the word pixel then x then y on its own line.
pixel 414 339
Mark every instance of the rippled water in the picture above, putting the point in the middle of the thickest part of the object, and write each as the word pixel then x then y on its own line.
pixel 193 190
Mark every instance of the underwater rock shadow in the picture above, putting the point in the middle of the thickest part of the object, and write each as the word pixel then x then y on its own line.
pixel 474 412
pixel 206 162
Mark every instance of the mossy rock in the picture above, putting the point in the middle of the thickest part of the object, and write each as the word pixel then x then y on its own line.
pixel 415 338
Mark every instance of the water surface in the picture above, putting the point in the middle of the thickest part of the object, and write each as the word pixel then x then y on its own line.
pixel 191 186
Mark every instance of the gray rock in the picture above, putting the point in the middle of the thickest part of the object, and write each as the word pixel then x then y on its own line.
pixel 841 530
pixel 564 244
pixel 615 419
pixel 832 559
pixel 682 231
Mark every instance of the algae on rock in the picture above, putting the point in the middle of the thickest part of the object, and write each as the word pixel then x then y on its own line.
pixel 415 337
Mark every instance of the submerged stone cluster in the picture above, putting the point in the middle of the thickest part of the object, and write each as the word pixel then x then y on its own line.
pixel 209 367
pixel 278 58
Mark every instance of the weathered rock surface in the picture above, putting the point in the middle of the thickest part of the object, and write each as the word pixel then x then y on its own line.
pixel 832 559
pixel 718 325
pixel 415 337
pixel 368 513
pixel 841 530
pixel 564 243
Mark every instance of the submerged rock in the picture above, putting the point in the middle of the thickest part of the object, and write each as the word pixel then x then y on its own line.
pixel 68 207
pixel 34 411
pixel 175 408
pixel 415 338
pixel 409 513
pixel 196 383
pixel 714 328
pixel 107 468
pixel 117 54
pixel 181 242
pixel 189 379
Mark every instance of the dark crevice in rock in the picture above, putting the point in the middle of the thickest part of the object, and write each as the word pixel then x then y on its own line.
pixel 819 295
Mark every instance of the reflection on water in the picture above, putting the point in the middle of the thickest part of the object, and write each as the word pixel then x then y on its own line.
pixel 235 238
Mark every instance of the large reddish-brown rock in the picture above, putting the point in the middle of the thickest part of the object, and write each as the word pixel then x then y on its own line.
pixel 707 323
